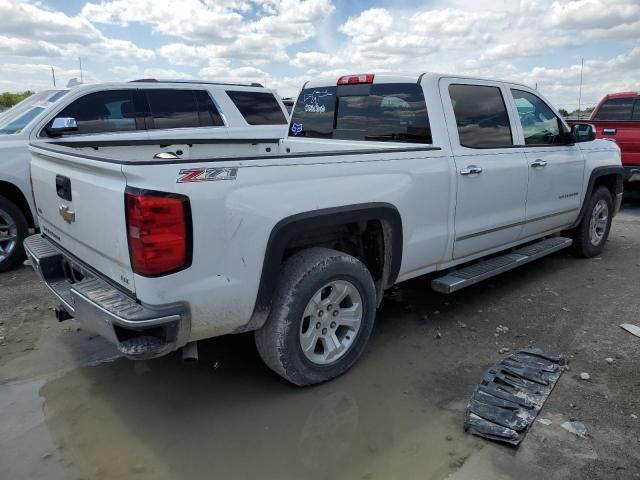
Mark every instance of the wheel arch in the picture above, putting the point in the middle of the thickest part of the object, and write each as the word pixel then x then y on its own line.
pixel 287 229
pixel 12 193
pixel 611 177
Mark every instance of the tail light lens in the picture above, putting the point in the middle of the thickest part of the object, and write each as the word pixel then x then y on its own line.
pixel 159 232
pixel 356 79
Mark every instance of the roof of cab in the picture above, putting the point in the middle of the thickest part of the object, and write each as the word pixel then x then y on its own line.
pixel 154 83
pixel 403 78
pixel 622 95
pixel 197 82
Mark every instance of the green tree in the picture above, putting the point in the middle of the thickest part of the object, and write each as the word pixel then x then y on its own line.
pixel 563 112
pixel 9 99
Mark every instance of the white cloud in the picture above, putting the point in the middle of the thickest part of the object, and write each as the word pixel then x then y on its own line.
pixel 282 43
pixel 490 39
pixel 220 29
pixel 31 30
pixel 36 76
pixel 369 25
pixel 594 14
pixel 135 72
pixel 311 60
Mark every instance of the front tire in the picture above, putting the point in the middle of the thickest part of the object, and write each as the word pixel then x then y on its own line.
pixel 591 234
pixel 13 230
pixel 321 318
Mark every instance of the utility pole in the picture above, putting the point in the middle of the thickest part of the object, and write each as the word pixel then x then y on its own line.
pixel 53 74
pixel 80 60
pixel 580 91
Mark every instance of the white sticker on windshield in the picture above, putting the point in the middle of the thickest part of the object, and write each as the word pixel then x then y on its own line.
pixel 313 101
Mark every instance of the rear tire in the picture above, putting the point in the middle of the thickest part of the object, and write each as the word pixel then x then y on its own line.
pixel 13 230
pixel 591 234
pixel 321 318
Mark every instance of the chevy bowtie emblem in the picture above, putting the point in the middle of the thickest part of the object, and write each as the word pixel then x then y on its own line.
pixel 66 214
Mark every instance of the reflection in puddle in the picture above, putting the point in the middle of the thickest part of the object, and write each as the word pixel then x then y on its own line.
pixel 329 431
pixel 229 417
pixel 26 447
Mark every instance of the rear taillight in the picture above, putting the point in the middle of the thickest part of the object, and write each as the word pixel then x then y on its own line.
pixel 159 232
pixel 354 79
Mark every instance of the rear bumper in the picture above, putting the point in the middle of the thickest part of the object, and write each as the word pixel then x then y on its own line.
pixel 138 331
pixel 632 173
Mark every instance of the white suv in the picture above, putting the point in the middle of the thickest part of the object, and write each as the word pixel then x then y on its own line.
pixel 169 116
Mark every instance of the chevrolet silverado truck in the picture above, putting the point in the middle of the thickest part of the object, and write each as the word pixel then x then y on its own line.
pixel 382 178
pixel 617 118
pixel 147 114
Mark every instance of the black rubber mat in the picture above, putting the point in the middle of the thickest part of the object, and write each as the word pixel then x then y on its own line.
pixel 505 404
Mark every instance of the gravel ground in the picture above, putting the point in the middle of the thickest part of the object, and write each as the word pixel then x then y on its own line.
pixel 72 409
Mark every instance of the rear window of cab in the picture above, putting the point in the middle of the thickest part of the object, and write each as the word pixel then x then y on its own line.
pixel 394 112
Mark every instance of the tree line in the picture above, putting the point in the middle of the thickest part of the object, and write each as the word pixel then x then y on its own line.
pixel 9 99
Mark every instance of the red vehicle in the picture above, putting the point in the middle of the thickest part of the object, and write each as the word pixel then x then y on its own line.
pixel 617 118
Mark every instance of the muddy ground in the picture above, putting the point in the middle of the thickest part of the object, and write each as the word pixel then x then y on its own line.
pixel 71 409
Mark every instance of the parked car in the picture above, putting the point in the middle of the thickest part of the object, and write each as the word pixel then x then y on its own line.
pixel 382 178
pixel 617 118
pixel 16 213
pixel 172 117
pixel 289 103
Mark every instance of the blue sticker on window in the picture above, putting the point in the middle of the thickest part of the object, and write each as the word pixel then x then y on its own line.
pixel 296 128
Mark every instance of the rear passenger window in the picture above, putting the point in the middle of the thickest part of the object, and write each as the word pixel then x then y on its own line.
pixel 398 113
pixel 258 108
pixel 615 109
pixel 394 112
pixel 102 112
pixel 173 108
pixel 481 116
pixel 207 111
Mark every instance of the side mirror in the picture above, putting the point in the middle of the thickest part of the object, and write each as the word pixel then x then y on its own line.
pixel 61 125
pixel 583 132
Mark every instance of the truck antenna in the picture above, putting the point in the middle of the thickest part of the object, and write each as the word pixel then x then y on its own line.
pixel 53 74
pixel 580 91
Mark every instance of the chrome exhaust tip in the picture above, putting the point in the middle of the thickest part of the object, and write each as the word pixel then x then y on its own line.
pixel 190 352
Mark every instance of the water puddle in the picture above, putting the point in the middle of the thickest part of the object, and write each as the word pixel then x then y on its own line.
pixel 27 449
pixel 230 417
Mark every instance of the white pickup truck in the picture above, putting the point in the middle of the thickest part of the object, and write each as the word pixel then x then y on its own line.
pixel 382 178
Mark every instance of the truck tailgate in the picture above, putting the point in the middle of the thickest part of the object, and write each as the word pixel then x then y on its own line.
pixel 80 204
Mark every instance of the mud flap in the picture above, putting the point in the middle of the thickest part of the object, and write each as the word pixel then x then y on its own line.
pixel 505 404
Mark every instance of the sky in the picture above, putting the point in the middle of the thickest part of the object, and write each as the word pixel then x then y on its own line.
pixel 283 43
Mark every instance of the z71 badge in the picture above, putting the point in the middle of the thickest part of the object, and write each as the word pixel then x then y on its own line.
pixel 191 175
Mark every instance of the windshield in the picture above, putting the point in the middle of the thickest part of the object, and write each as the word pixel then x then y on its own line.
pixel 40 98
pixel 14 124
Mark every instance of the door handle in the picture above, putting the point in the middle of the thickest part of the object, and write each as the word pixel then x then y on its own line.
pixel 538 164
pixel 609 131
pixel 471 169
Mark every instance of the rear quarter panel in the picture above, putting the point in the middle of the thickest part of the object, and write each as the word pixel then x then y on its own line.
pixel 598 153
pixel 232 220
